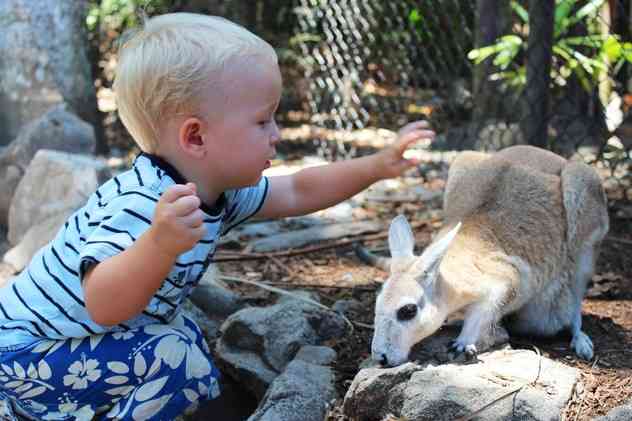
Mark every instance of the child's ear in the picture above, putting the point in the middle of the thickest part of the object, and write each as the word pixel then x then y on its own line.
pixel 190 137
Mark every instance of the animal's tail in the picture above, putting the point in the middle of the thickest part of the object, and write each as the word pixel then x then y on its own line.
pixel 372 259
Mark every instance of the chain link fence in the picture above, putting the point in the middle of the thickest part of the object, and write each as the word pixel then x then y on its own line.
pixel 486 74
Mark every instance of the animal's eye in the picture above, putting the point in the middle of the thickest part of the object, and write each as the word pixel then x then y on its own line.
pixel 407 312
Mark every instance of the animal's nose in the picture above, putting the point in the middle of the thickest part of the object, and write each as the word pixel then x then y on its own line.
pixel 383 360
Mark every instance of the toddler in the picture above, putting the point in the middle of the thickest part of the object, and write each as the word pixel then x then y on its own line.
pixel 93 327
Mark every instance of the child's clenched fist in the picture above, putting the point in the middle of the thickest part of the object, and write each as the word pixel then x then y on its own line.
pixel 178 222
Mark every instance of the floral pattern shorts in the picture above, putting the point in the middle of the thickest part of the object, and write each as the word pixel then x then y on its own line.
pixel 155 372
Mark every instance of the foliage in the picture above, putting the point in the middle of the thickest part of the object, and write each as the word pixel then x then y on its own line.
pixel 121 14
pixel 587 57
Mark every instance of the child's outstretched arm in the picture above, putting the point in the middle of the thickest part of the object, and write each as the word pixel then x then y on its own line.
pixel 120 287
pixel 317 188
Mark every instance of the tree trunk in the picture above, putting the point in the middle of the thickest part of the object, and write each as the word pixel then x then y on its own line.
pixel 605 22
pixel 493 20
pixel 539 54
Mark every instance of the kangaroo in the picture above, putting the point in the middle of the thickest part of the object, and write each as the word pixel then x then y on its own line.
pixel 522 232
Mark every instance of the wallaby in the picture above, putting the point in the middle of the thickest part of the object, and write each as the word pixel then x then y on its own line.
pixel 521 235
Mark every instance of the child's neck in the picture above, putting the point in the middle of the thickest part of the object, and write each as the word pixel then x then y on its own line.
pixel 207 193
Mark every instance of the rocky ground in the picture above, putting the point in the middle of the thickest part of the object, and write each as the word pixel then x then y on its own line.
pixel 330 269
pixel 334 273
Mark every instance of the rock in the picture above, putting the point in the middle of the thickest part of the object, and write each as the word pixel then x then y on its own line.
pixel 347 307
pixel 214 299
pixel 449 391
pixel 257 343
pixel 319 355
pixel 299 238
pixel 621 413
pixel 43 45
pixel 59 130
pixel 259 229
pixel 210 327
pixel 302 392
pixel 368 395
pixel 55 185
pixel 11 175
pixel 35 238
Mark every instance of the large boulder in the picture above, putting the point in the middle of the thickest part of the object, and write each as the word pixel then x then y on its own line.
pixel 304 389
pixel 55 185
pixel 257 343
pixel 519 384
pixel 57 129
pixel 43 45
pixel 438 385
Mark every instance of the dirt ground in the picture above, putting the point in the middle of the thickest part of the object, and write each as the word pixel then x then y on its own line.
pixel 335 273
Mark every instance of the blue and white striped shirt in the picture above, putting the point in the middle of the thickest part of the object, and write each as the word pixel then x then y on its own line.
pixel 46 301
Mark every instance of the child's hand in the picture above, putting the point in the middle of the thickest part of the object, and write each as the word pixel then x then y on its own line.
pixel 391 159
pixel 178 221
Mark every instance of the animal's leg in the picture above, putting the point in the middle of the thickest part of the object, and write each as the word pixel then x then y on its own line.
pixel 482 317
pixel 478 326
pixel 581 343
pixel 587 225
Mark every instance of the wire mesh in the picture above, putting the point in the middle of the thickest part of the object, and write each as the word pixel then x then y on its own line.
pixel 486 74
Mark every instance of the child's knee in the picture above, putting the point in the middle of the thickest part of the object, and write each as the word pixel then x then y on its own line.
pixel 190 328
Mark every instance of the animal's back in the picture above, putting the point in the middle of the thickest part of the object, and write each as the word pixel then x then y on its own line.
pixel 513 199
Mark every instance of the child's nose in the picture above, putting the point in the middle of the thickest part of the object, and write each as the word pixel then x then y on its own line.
pixel 275 136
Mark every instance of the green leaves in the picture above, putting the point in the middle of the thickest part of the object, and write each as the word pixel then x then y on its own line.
pixel 506 50
pixel 587 57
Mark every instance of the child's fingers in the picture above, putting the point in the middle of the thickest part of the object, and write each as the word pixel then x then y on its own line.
pixel 420 124
pixel 415 125
pixel 199 232
pixel 172 193
pixel 404 141
pixel 194 219
pixel 402 165
pixel 186 204
pixel 192 186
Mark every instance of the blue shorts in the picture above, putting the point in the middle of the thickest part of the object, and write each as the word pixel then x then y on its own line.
pixel 155 372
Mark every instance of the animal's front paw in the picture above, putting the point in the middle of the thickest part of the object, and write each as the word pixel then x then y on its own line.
pixel 459 347
pixel 582 345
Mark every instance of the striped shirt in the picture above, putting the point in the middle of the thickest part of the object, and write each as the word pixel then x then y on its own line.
pixel 46 300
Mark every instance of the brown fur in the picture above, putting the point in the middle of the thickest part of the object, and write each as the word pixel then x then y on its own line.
pixel 531 224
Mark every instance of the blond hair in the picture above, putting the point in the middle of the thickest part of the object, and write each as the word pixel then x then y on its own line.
pixel 164 66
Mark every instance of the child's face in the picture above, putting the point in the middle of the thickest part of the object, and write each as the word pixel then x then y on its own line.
pixel 243 131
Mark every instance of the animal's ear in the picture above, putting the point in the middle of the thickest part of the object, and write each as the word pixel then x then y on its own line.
pixel 433 254
pixel 400 238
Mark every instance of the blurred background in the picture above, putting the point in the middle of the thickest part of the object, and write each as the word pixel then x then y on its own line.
pixel 487 74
